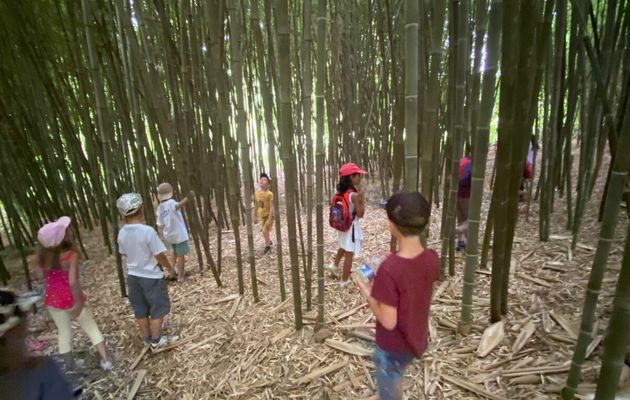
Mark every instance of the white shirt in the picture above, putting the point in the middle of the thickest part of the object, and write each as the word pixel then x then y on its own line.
pixel 172 222
pixel 140 244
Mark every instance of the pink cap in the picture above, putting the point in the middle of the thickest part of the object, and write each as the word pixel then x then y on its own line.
pixel 52 234
pixel 349 169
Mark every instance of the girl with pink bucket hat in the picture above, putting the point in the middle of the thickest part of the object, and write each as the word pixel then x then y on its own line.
pixel 64 298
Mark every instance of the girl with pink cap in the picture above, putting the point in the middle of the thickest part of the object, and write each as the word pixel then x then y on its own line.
pixel 59 262
pixel 350 176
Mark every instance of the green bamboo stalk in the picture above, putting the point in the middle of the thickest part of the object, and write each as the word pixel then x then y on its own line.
pixel 103 126
pixel 500 195
pixel 307 107
pixel 617 339
pixel 411 95
pixel 319 157
pixel 480 155
pixel 288 156
pixel 265 84
pixel 618 178
pixel 430 139
pixel 234 12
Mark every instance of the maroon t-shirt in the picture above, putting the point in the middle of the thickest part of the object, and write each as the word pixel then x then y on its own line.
pixel 406 284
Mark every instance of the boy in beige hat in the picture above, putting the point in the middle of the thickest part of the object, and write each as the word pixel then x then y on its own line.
pixel 170 221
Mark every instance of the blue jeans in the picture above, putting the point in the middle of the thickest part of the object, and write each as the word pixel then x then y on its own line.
pixel 389 372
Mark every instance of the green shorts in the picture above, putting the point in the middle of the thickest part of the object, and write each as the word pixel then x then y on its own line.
pixel 181 249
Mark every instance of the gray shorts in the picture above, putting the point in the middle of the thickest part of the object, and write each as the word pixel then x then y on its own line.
pixel 148 297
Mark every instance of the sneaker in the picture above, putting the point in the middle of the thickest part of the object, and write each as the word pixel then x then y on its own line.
pixel 146 340
pixel 332 268
pixel 267 250
pixel 157 343
pixel 163 341
pixel 106 365
pixel 344 283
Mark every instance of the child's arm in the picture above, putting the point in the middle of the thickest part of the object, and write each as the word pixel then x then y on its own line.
pixel 184 201
pixel 163 260
pixel 75 286
pixel 254 209
pixel 358 200
pixel 385 314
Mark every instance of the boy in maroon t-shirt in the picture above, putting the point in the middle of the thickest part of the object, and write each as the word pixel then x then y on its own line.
pixel 400 295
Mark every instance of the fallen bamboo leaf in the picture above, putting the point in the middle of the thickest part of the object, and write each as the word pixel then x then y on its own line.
pixel 523 337
pixel 322 371
pixel 593 345
pixel 569 326
pixel 471 387
pixel 491 338
pixel 348 348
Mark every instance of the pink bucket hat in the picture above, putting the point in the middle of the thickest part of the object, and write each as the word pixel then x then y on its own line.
pixel 349 169
pixel 52 234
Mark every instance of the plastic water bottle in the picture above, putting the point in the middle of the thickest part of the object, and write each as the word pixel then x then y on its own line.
pixel 367 270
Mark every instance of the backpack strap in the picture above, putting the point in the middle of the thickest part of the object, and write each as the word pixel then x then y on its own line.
pixel 346 195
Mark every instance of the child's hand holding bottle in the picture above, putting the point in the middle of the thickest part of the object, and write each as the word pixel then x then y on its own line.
pixel 364 286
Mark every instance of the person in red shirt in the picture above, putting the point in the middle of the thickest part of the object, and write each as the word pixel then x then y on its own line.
pixel 400 295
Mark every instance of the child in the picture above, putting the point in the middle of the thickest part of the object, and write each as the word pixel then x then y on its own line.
pixel 23 376
pixel 400 296
pixel 146 285
pixel 350 241
pixel 59 263
pixel 263 198
pixel 463 198
pixel 171 221
pixel 528 168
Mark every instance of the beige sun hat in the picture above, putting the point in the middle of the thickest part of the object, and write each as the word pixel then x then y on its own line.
pixel 164 191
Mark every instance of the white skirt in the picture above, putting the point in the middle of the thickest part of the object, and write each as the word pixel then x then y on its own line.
pixel 345 238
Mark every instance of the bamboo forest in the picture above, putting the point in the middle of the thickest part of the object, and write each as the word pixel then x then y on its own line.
pixel 315 199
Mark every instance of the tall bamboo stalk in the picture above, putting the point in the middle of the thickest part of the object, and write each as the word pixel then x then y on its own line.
pixel 103 129
pixel 288 155
pixel 480 155
pixel 264 76
pixel 617 338
pixel 237 70
pixel 411 95
pixel 618 178
pixel 307 107
pixel 319 156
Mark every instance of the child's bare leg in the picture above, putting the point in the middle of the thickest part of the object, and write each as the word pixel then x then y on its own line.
pixel 143 326
pixel 181 263
pixel 156 328
pixel 174 260
pixel 266 236
pixel 102 351
pixel 339 256
pixel 347 265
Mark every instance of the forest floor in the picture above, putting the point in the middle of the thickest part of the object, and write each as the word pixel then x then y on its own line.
pixel 231 347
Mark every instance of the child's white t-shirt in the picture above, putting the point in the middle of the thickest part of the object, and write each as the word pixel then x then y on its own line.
pixel 140 244
pixel 172 222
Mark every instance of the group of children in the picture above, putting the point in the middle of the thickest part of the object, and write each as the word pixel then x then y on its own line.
pixel 399 295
